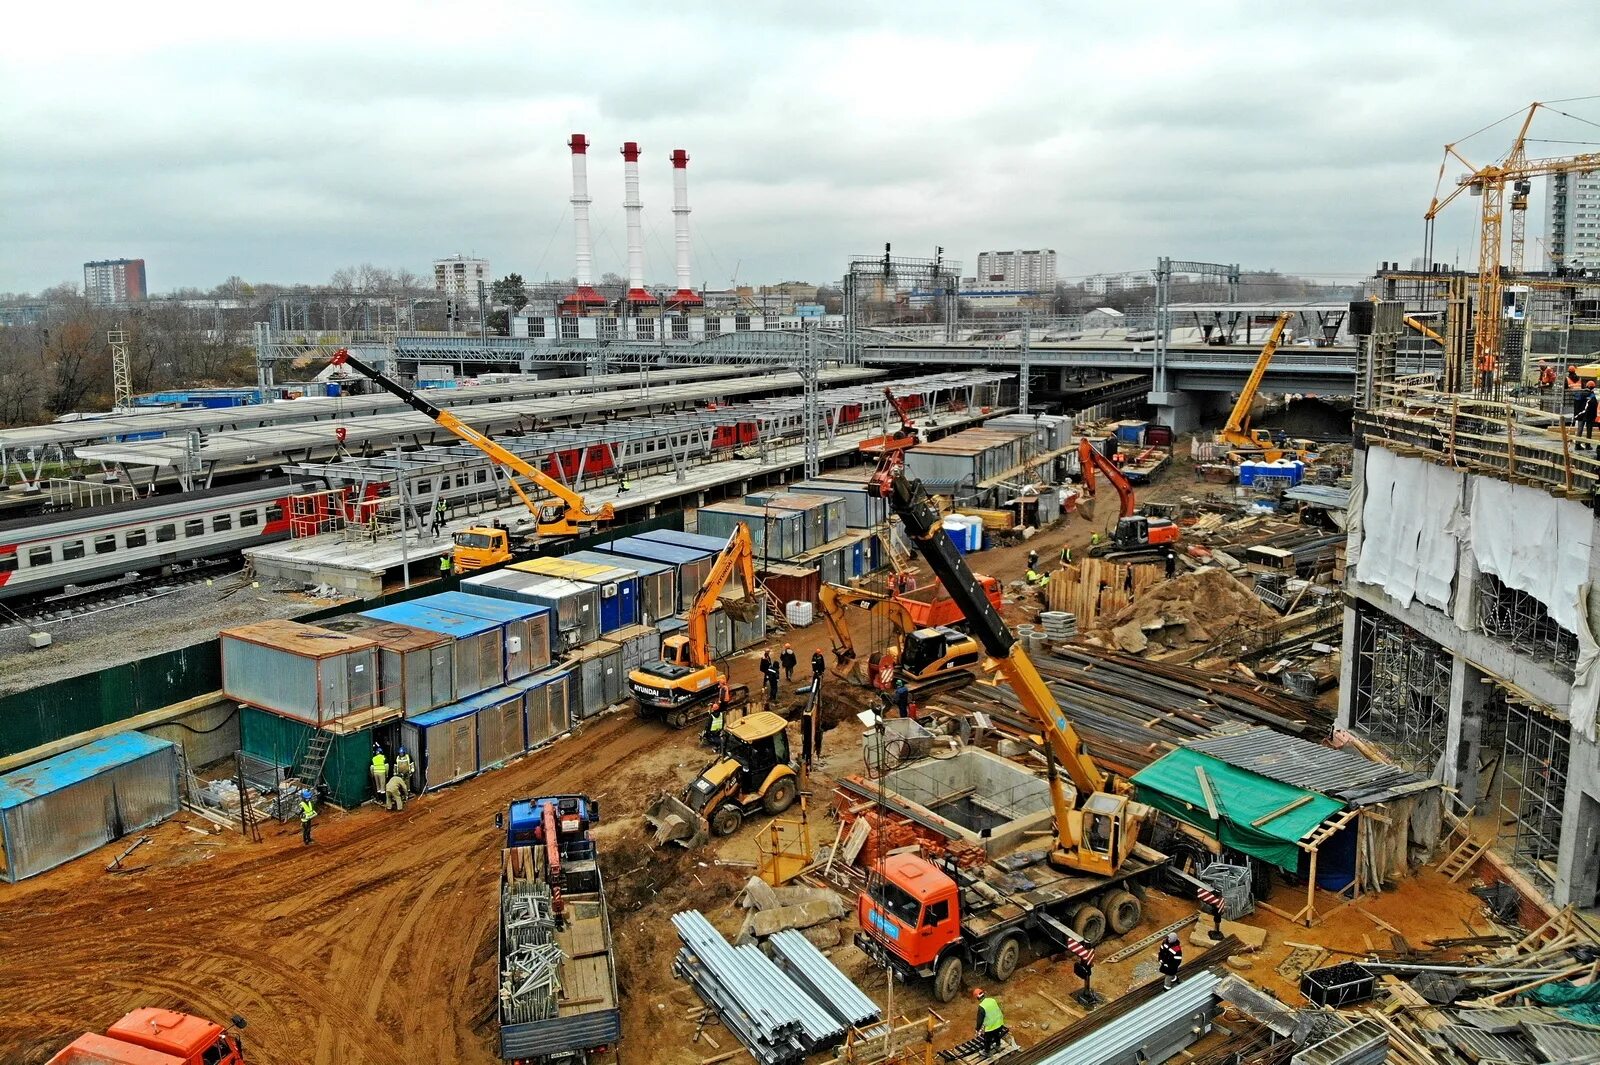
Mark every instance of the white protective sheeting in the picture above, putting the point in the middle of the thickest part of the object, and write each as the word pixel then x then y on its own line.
pixel 1409 522
pixel 1585 703
pixel 1534 543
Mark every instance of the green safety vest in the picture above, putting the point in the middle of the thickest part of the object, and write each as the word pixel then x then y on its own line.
pixel 444 563
pixel 716 721
pixel 380 764
pixel 307 811
pixel 992 1017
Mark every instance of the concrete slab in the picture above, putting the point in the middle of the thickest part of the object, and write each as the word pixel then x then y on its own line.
pixel 984 799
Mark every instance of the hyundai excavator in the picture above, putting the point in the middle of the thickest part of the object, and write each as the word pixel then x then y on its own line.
pixel 929 657
pixel 1237 431
pixel 1135 533
pixel 932 920
pixel 686 685
pixel 478 547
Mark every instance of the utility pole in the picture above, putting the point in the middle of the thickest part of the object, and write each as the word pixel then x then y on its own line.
pixel 1026 376
pixel 121 374
pixel 809 371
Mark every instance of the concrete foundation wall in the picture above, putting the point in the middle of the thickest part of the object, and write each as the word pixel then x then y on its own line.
pixel 975 788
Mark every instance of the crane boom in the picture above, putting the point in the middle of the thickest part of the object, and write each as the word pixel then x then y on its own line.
pixel 1089 458
pixel 576 509
pixel 1236 431
pixel 738 556
pixel 922 522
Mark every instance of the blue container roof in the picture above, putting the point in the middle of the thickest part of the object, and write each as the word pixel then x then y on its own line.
pixel 22 786
pixel 482 606
pixel 714 544
pixel 470 705
pixel 640 566
pixel 447 622
pixel 656 550
pixel 536 680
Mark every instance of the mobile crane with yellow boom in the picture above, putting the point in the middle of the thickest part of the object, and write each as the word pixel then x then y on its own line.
pixel 481 546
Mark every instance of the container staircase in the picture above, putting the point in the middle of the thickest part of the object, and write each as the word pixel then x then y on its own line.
pixel 315 759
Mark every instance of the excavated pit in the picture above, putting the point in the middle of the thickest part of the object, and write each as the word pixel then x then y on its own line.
pixel 979 797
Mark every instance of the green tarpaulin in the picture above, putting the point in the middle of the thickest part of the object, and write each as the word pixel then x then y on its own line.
pixel 1171 784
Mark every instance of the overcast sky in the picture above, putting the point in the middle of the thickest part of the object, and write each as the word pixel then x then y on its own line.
pixel 281 142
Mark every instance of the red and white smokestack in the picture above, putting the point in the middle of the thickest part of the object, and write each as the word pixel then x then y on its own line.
pixel 585 297
pixel 685 296
pixel 632 207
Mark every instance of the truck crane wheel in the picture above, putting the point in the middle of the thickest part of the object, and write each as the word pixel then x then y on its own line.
pixel 1090 924
pixel 1006 958
pixel 1123 911
pixel 726 820
pixel 947 979
pixel 780 796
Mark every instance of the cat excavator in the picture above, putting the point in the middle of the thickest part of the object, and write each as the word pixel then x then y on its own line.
pixel 929 657
pixel 481 546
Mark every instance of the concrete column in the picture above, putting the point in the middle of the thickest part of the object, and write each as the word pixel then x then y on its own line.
pixel 1347 669
pixel 1469 696
pixel 1175 409
pixel 1578 868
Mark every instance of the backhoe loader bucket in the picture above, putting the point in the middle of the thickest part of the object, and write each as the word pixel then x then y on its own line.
pixel 674 822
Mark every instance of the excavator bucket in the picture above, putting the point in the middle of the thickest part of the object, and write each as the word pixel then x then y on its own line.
pixel 745 609
pixel 674 822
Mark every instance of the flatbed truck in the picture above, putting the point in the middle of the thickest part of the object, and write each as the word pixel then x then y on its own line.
pixel 557 993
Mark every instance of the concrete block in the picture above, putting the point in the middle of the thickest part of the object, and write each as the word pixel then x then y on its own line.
pixel 758 895
pixel 39 640
pixel 824 936
pixel 1252 937
pixel 763 923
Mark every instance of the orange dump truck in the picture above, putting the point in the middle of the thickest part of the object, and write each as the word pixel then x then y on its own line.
pixel 150 1036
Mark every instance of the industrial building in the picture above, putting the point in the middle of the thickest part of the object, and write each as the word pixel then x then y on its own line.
pixel 111 281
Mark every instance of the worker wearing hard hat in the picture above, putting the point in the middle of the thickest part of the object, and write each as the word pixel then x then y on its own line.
pixel 307 812
pixel 380 770
pixel 1169 959
pixel 990 1020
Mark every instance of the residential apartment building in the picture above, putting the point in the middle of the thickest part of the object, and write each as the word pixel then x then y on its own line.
pixel 114 281
pixel 1572 221
pixel 457 277
pixel 1033 271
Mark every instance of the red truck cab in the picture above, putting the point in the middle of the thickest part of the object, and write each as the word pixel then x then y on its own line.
pixel 151 1036
pixel 913 912
pixel 938 609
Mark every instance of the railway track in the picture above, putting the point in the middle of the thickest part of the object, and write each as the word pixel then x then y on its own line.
pixel 109 595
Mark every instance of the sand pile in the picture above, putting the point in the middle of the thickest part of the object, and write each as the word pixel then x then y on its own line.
pixel 1196 607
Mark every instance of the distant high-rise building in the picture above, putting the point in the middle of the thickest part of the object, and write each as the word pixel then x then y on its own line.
pixel 1033 270
pixel 458 276
pixel 1572 220
pixel 114 281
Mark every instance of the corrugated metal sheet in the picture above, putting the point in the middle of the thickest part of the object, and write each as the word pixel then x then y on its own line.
pixel 1159 1028
pixel 66 806
pixel 307 672
pixel 282 741
pixel 1320 494
pixel 1478 1044
pixel 1341 774
pixel 1364 1043
pixel 526 627
pixel 819 978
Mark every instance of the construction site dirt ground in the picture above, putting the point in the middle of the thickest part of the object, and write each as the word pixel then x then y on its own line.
pixel 376 944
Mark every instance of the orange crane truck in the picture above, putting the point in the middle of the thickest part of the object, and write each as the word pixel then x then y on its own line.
pixel 153 1036
pixel 938 920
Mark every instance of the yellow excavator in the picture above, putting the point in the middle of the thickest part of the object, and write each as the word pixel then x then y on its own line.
pixel 1237 431
pixel 929 658
pixel 686 684
pixel 481 546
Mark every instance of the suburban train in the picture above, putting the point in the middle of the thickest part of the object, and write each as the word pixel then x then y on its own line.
pixel 42 554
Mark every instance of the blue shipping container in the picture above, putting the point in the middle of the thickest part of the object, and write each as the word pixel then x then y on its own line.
pixel 531 622
pixel 693 564
pixel 714 544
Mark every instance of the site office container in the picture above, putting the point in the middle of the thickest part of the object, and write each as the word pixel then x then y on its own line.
pixel 793 583
pixel 301 671
pixel 824 515
pixel 861 510
pixel 444 742
pixel 657 582
pixel 66 806
pixel 830 562
pixel 692 564
pixel 416 668
pixel 547 705
pixel 574 608
pixel 502 726
pixel 346 775
pixel 479 659
pixel 699 541
pixel 597 666
pixel 619 588
pixel 640 646
pixel 775 533
pixel 527 627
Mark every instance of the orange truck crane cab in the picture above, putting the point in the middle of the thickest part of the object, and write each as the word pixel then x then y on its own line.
pixel 151 1036
pixel 916 907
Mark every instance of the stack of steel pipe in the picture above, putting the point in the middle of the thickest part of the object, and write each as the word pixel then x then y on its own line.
pixel 819 978
pixel 776 1021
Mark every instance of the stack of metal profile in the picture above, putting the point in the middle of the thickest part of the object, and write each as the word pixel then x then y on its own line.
pixel 1059 624
pixel 822 981
pixel 776 1021
pixel 1363 1043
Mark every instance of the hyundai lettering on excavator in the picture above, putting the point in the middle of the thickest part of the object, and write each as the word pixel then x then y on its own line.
pixel 1135 533
pixel 481 546
pixel 151 1036
pixel 686 684
pixel 939 921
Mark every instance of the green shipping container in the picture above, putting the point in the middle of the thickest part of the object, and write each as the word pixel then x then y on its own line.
pixel 283 740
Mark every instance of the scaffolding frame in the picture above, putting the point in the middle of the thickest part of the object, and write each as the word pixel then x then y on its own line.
pixel 875 285
pixel 1533 787
pixel 1516 618
pixel 1402 691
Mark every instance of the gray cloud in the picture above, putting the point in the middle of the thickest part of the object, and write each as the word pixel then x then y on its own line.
pixel 286 145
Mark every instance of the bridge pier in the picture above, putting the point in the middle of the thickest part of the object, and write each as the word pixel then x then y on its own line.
pixel 1175 409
